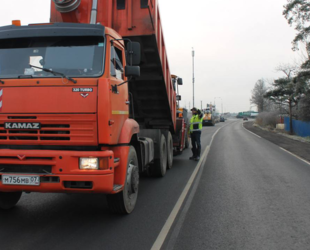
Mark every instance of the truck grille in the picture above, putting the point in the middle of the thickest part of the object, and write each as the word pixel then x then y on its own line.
pixel 61 129
pixel 57 130
pixel 30 169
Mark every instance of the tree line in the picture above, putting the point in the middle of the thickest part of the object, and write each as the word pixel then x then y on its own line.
pixel 289 94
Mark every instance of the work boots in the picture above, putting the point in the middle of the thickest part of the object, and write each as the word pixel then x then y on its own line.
pixel 197 158
pixel 194 155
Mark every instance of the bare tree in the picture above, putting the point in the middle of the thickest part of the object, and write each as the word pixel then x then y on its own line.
pixel 288 69
pixel 258 93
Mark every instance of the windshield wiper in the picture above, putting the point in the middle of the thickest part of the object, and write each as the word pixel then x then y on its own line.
pixel 55 73
pixel 25 76
pixel 1 81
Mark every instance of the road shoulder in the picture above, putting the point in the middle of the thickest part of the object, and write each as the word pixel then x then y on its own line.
pixel 299 148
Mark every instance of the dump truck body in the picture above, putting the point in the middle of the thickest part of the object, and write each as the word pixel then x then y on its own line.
pixel 154 92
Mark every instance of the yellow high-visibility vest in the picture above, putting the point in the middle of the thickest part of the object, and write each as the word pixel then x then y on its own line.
pixel 195 120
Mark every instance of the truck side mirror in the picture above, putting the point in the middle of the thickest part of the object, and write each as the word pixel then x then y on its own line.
pixel 178 98
pixel 180 81
pixel 133 71
pixel 133 53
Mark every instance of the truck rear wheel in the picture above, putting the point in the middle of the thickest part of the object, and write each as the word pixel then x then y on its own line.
pixel 124 202
pixel 9 199
pixel 169 150
pixel 160 164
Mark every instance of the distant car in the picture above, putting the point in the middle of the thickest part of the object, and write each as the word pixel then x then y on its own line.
pixel 245 118
pixel 222 119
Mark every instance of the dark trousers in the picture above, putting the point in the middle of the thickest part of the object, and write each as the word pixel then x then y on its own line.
pixel 196 145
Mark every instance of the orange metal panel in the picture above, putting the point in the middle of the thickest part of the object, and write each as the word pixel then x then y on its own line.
pixel 129 15
pixel 49 100
pixel 45 82
pixel 130 128
pixel 113 109
pixel 109 15
pixel 65 165
pixel 121 171
pixel 119 110
pixel 104 114
pixel 133 21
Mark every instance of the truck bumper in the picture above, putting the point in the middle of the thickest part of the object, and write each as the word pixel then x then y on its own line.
pixel 206 122
pixel 58 171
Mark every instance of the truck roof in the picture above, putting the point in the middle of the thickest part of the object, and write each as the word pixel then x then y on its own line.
pixel 51 30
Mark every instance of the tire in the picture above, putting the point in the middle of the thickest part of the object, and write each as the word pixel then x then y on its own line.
pixel 160 164
pixel 124 202
pixel 9 199
pixel 169 151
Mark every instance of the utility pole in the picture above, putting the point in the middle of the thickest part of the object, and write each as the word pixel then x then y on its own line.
pixel 201 105
pixel 221 102
pixel 193 55
pixel 222 106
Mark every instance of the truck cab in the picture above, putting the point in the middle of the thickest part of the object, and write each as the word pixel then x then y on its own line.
pixel 76 115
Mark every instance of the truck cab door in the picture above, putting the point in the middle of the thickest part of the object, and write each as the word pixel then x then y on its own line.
pixel 119 98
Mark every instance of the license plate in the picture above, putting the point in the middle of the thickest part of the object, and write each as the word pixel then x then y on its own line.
pixel 32 180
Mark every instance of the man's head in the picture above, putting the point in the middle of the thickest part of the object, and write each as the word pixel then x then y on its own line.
pixel 194 110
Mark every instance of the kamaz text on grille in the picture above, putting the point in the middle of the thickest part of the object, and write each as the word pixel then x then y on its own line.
pixel 22 125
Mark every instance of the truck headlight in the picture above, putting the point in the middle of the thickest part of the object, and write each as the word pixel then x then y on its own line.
pixel 89 163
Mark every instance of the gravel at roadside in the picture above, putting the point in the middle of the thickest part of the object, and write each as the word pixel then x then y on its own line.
pixel 302 149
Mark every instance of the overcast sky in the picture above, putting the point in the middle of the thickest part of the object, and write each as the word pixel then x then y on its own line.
pixel 236 42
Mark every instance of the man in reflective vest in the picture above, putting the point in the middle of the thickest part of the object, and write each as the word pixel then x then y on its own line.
pixel 195 132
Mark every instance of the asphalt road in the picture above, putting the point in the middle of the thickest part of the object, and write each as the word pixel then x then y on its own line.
pixel 251 195
pixel 75 221
pixel 248 194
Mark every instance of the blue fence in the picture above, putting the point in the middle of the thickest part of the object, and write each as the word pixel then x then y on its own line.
pixel 299 128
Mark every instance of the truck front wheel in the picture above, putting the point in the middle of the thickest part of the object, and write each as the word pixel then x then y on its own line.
pixel 124 202
pixel 9 199
pixel 160 164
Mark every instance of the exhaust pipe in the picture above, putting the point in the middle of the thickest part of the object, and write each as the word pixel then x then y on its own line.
pixel 93 16
pixel 65 6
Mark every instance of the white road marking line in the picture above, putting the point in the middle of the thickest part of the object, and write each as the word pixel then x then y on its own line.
pixel 295 156
pixel 166 228
pixel 251 132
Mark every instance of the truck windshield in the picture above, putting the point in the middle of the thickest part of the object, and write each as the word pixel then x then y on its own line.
pixel 71 56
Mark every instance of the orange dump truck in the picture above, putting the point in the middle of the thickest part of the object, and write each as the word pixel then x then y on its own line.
pixel 87 102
